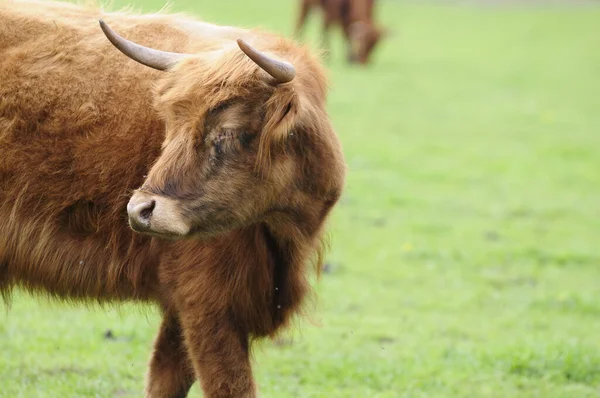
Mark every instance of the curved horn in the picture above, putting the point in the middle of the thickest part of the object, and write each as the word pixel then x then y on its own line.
pixel 282 71
pixel 161 60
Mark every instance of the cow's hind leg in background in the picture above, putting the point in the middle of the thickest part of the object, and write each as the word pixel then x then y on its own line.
pixel 327 22
pixel 305 7
pixel 346 23
pixel 171 374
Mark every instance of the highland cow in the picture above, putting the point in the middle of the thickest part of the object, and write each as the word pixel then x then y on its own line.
pixel 193 166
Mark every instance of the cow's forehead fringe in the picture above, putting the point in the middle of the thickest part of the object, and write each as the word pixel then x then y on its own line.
pixel 203 82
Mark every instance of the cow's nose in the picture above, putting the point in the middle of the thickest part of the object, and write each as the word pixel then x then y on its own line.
pixel 140 214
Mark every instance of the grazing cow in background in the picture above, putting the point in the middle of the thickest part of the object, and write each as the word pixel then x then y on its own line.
pixel 212 143
pixel 355 17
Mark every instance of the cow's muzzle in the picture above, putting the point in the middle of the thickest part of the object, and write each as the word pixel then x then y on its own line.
pixel 157 215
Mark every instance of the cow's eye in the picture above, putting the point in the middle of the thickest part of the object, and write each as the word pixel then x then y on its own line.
pixel 218 147
pixel 224 142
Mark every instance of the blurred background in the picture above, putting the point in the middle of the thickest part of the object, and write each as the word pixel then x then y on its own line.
pixel 465 252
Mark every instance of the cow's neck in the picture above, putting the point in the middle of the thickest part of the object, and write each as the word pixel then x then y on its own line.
pixel 290 250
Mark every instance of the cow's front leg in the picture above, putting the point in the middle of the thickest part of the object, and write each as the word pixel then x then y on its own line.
pixel 171 374
pixel 220 354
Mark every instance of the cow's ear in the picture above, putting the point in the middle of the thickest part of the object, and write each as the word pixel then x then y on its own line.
pixel 281 115
pixel 280 118
pixel 287 110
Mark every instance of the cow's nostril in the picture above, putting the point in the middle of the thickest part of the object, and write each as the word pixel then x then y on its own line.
pixel 145 210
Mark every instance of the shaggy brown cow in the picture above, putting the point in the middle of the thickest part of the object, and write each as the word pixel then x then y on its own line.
pixel 355 17
pixel 231 151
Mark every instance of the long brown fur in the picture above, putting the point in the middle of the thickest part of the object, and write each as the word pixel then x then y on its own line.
pixel 82 127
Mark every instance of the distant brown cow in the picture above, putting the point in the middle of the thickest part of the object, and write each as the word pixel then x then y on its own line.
pixel 233 156
pixel 355 17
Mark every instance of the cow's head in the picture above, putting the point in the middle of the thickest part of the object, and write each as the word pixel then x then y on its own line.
pixel 247 140
pixel 364 39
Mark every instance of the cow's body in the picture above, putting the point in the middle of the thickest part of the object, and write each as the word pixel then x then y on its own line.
pixel 78 133
pixel 81 126
pixel 355 18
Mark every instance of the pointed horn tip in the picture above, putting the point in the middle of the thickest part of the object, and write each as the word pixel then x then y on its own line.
pixel 106 29
pixel 243 45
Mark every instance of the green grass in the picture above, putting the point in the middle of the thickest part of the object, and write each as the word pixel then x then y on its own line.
pixel 466 250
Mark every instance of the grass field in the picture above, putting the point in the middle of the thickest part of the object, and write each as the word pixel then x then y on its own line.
pixel 465 256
